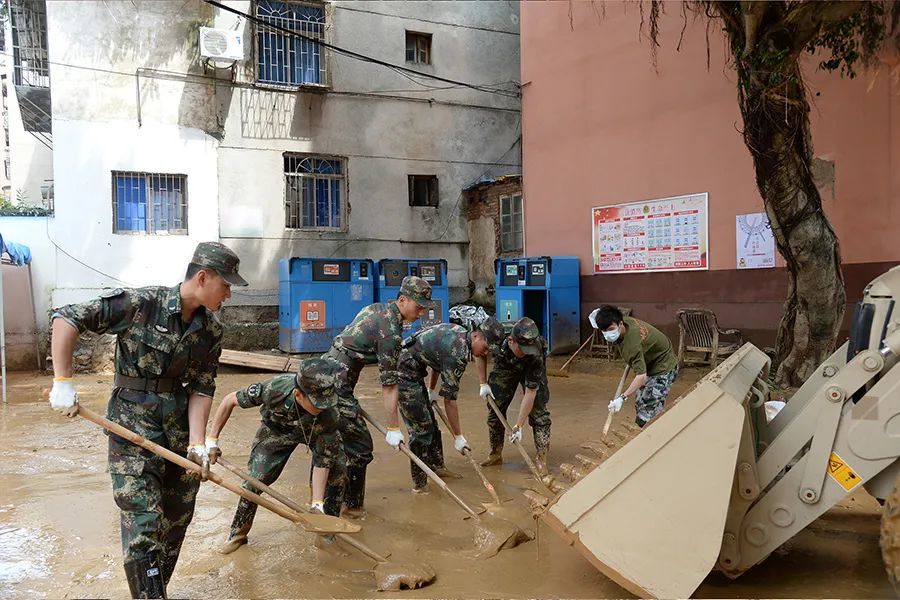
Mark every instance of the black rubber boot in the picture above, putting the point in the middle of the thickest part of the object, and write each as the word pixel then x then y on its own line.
pixel 145 577
pixel 334 497
pixel 355 492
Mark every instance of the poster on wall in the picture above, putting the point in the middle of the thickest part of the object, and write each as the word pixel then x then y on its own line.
pixel 668 234
pixel 755 242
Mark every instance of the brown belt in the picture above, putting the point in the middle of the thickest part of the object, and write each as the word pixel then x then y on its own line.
pixel 165 385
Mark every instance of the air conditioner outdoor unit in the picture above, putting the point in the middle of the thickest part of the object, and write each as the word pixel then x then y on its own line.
pixel 221 44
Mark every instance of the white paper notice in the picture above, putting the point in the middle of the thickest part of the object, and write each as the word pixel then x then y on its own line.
pixel 755 243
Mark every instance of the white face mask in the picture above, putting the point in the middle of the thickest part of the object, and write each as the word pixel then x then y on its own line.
pixel 611 336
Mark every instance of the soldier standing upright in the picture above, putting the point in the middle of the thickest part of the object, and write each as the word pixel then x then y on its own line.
pixel 519 360
pixel 296 409
pixel 445 348
pixel 374 336
pixel 168 343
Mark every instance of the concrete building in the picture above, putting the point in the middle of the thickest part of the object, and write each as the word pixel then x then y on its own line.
pixel 293 149
pixel 27 177
pixel 602 126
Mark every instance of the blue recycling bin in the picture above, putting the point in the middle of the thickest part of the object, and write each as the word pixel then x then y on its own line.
pixel 546 289
pixel 391 272
pixel 318 297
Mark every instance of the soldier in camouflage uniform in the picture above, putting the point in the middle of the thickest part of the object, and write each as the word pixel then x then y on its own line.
pixel 519 360
pixel 445 348
pixel 295 409
pixel 167 354
pixel 648 352
pixel 374 336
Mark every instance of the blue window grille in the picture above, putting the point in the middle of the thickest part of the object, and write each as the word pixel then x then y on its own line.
pixel 290 60
pixel 153 203
pixel 315 191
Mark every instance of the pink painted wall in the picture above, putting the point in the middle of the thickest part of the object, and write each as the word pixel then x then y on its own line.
pixel 600 126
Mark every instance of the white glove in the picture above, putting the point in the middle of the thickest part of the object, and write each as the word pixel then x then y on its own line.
pixel 484 390
pixel 433 395
pixel 317 507
pixel 394 438
pixel 63 397
pixel 593 318
pixel 213 450
pixel 197 453
pixel 615 405
pixel 516 435
pixel 461 444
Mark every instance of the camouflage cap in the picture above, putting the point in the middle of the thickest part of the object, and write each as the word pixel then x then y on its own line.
pixel 316 378
pixel 221 259
pixel 492 331
pixel 418 290
pixel 525 333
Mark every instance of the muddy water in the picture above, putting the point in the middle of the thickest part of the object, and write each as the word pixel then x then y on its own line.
pixel 59 533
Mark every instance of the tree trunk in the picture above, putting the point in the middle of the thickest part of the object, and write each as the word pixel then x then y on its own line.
pixel 777 133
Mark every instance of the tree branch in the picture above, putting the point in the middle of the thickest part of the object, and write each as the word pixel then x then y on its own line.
pixel 805 20
pixel 752 13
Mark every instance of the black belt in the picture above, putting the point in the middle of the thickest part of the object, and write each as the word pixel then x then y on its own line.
pixel 164 385
pixel 342 358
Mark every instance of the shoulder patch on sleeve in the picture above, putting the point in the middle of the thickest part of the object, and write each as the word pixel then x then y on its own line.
pixel 254 390
pixel 112 293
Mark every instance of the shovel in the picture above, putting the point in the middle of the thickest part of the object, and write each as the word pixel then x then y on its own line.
pixel 468 454
pixel 490 536
pixel 518 445
pixel 313 523
pixel 562 372
pixel 389 575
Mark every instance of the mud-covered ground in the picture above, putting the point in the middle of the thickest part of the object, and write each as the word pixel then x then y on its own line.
pixel 59 530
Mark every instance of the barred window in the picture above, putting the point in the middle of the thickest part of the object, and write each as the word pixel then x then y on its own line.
pixel 154 203
pixel 315 192
pixel 29 38
pixel 291 60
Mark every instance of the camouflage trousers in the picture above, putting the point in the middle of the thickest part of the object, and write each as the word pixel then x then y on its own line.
pixel 651 398
pixel 272 447
pixel 354 432
pixel 155 497
pixel 421 422
pixel 504 384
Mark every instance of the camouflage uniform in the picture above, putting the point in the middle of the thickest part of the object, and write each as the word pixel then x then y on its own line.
pixel 446 348
pixel 374 336
pixel 284 426
pixel 530 372
pixel 160 362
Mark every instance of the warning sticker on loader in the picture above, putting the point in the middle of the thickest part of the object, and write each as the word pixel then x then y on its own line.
pixel 842 473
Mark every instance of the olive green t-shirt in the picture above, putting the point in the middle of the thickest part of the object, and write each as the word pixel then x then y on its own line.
pixel 646 348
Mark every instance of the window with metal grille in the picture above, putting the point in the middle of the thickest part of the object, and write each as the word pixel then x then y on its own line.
pixel 29 39
pixel 511 224
pixel 418 48
pixel 423 190
pixel 315 192
pixel 154 203
pixel 291 60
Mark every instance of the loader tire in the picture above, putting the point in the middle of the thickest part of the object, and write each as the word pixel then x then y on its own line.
pixel 890 537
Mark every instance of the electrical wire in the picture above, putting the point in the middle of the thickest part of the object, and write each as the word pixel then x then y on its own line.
pixel 357 55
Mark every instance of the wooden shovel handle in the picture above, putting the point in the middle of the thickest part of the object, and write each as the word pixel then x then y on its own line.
pixel 434 476
pixel 580 348
pixel 618 392
pixel 297 507
pixel 468 454
pixel 312 523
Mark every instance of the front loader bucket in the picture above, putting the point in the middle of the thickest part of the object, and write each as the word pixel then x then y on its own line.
pixel 652 516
